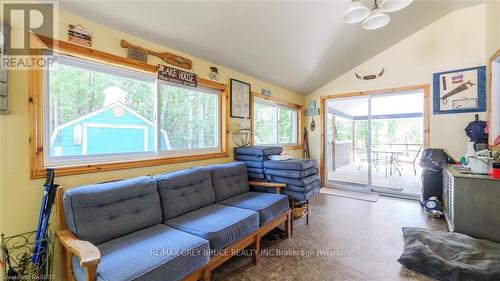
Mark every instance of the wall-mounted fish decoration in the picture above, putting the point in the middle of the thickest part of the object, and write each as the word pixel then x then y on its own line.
pixel 370 77
pixel 459 89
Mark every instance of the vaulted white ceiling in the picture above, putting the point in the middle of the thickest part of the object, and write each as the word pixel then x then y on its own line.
pixel 298 45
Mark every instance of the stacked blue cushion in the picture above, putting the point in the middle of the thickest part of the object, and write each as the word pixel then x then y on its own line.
pixel 300 175
pixel 254 158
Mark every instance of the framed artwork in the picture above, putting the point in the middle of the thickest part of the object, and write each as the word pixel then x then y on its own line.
pixel 460 91
pixel 240 99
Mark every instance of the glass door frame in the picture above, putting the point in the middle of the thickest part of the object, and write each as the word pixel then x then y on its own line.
pixel 425 88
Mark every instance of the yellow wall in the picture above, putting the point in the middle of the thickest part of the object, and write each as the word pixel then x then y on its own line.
pixel 454 41
pixel 20 196
pixel 492 28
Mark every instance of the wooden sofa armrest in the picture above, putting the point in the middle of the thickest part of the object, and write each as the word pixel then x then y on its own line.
pixel 275 185
pixel 88 254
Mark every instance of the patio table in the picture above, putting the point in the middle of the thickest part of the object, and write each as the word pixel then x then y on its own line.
pixel 391 160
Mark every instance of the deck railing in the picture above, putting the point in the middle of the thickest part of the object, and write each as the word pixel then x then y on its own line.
pixel 339 155
pixel 342 153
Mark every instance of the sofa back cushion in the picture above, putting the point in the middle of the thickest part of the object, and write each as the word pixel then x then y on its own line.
pixel 101 212
pixel 229 179
pixel 185 191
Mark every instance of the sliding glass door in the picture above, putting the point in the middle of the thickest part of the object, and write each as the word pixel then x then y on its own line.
pixel 373 142
pixel 347 145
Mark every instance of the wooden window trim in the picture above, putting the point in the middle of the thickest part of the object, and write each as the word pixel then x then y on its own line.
pixel 35 112
pixel 489 112
pixel 300 115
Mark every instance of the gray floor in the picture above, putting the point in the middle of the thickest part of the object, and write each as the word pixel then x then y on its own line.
pixel 360 240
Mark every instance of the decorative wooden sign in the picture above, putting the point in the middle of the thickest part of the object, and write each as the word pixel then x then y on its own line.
pixel 167 57
pixel 137 54
pixel 79 35
pixel 173 75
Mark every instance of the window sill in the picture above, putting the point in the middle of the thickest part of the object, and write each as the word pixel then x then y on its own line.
pixel 102 167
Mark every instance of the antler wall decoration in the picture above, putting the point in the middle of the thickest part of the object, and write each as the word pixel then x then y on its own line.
pixel 370 77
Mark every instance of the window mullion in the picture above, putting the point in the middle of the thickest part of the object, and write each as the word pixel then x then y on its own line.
pixel 157 117
pixel 276 129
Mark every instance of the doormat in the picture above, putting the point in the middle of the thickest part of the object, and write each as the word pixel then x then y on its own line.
pixel 364 196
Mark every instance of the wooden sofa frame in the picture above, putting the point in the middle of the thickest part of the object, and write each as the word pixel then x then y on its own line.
pixel 89 254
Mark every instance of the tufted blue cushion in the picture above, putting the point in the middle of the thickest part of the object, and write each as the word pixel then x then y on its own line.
pixel 303 195
pixel 255 176
pixel 255 170
pixel 101 212
pixel 185 191
pixel 220 225
pixel 269 206
pixel 290 164
pixel 229 179
pixel 292 173
pixel 298 182
pixel 312 185
pixel 156 253
pixel 243 157
pixel 258 150
pixel 254 164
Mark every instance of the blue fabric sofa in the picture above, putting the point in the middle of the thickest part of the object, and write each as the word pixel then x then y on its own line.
pixel 172 226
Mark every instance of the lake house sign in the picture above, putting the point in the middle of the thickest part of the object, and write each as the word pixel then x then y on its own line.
pixel 177 76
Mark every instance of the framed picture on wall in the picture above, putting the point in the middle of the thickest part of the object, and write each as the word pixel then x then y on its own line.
pixel 240 99
pixel 460 91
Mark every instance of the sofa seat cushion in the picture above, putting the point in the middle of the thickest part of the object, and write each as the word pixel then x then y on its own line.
pixel 258 150
pixel 156 253
pixel 301 195
pixel 243 157
pixel 269 206
pixel 290 164
pixel 291 173
pixel 312 185
pixel 220 225
pixel 253 164
pixel 298 182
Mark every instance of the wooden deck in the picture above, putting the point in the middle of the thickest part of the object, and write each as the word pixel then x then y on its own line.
pixel 408 183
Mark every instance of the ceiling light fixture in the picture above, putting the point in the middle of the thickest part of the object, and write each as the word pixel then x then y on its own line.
pixel 356 12
pixel 377 18
pixel 390 6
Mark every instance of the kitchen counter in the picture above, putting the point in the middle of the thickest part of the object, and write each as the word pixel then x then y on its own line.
pixel 471 203
pixel 455 170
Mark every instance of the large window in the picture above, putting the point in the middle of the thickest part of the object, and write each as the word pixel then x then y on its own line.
pixel 97 113
pixel 274 124
pixel 189 117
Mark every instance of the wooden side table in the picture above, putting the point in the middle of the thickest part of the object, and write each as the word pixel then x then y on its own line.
pixel 274 185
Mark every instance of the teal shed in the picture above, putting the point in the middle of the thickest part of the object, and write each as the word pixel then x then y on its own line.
pixel 90 134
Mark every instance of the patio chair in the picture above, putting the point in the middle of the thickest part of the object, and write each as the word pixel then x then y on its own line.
pixel 415 160
pixel 362 155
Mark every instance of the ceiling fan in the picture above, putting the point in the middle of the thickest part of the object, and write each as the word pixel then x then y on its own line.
pixel 377 17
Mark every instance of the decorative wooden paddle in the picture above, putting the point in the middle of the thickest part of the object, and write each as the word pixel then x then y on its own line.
pixel 165 56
